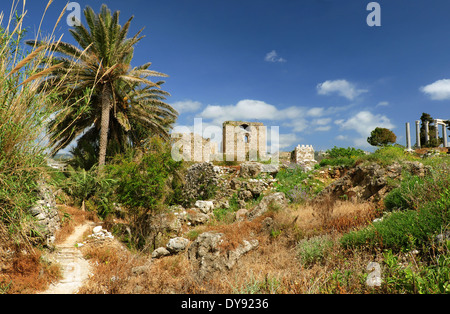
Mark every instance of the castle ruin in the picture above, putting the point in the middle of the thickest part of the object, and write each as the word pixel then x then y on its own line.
pixel 304 157
pixel 244 141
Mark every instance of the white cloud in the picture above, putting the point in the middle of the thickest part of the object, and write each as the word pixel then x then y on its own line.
pixel 383 104
pixel 273 57
pixel 249 109
pixel 323 121
pixel 439 90
pixel 316 112
pixel 187 106
pixel 341 137
pixel 364 122
pixel 341 87
pixel 286 140
pixel 323 128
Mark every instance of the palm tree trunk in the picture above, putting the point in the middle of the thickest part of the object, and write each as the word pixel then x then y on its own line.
pixel 104 124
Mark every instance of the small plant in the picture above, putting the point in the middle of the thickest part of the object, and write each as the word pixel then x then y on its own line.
pixel 314 250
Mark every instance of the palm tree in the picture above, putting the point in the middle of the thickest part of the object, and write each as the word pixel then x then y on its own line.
pixel 98 89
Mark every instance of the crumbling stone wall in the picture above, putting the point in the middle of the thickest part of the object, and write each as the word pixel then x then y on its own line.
pixel 304 156
pixel 243 140
pixel 193 147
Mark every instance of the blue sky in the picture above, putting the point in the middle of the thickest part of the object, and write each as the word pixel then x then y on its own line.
pixel 312 67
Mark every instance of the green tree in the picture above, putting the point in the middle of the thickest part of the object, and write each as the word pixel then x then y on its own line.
pixel 100 94
pixel 432 142
pixel 381 137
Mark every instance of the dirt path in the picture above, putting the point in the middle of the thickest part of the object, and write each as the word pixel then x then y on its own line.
pixel 75 269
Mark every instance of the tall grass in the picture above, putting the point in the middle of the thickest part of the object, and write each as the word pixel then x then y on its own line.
pixel 24 112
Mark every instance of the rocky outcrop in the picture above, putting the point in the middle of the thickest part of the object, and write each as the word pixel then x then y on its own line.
pixel 369 182
pixel 208 256
pixel 46 214
pixel 269 201
pixel 201 181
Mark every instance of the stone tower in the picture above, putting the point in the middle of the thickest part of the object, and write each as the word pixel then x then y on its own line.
pixel 244 141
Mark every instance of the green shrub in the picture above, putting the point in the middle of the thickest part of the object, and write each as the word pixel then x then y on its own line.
pixel 297 185
pixel 340 152
pixel 404 230
pixel 414 191
pixel 389 154
pixel 342 161
pixel 339 156
pixel 143 183
pixel 314 250
pixel 417 277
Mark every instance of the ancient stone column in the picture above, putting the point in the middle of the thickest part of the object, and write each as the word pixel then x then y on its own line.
pixel 427 131
pixel 444 132
pixel 408 137
pixel 418 144
pixel 436 126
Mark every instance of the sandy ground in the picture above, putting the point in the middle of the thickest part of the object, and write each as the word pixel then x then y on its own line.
pixel 75 269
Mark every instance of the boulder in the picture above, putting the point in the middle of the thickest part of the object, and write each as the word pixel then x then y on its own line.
pixel 208 257
pixel 250 169
pixel 257 187
pixel 194 217
pixel 270 169
pixel 177 245
pixel 275 199
pixel 241 214
pixel 205 207
pixel 160 252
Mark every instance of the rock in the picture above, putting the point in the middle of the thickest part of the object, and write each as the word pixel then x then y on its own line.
pixel 200 182
pixel 160 252
pixel 139 270
pixel 205 253
pixel 245 195
pixel 177 245
pixel 234 255
pixel 196 218
pixel 205 207
pixel 275 199
pixel 250 169
pixel 167 222
pixel 270 169
pixel 97 229
pixel 374 277
pixel 256 187
pixel 46 214
pixel 365 182
pixel 241 214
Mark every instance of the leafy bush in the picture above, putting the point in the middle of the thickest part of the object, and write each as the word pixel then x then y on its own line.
pixel 387 155
pixel 417 277
pixel 297 185
pixel 343 161
pixel 415 191
pixel 141 182
pixel 340 156
pixel 340 152
pixel 404 230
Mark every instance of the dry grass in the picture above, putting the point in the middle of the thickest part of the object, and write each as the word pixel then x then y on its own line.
pixel 272 268
pixel 70 218
pixel 23 272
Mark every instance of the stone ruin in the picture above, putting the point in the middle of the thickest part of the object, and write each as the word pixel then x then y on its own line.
pixel 437 123
pixel 304 157
pixel 193 147
pixel 244 141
